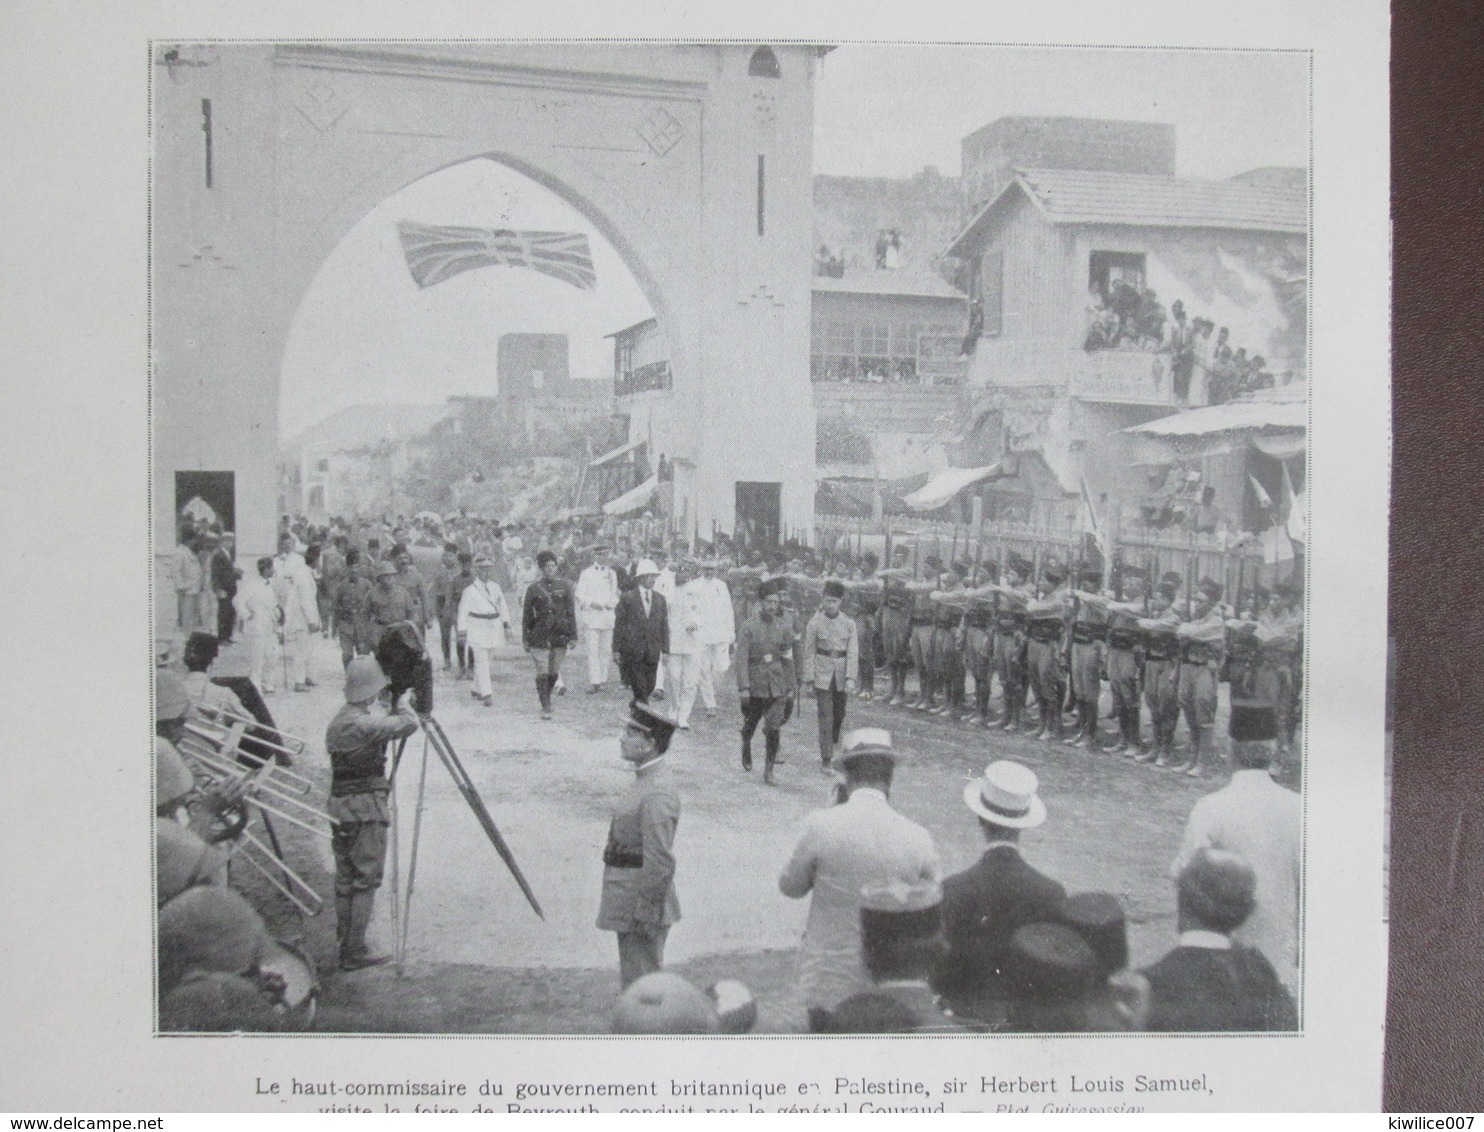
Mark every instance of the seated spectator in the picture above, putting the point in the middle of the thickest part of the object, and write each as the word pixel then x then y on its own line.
pixel 664 1003
pixel 200 654
pixel 985 904
pixel 1098 918
pixel 902 945
pixel 1207 983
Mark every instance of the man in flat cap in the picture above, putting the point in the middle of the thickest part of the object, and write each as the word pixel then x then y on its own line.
pixel 767 681
pixel 986 903
pixel 1255 817
pixel 1211 981
pixel 483 620
pixel 861 842
pixel 1202 647
pixel 638 900
pixel 831 660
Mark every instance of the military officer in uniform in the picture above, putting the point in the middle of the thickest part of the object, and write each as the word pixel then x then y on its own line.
pixel 482 621
pixel 638 900
pixel 767 681
pixel 831 659
pixel 1161 672
pixel 1201 646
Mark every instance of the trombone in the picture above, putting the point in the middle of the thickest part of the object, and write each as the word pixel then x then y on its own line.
pixel 237 757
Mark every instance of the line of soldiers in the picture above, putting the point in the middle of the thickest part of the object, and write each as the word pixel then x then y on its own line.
pixel 1052 638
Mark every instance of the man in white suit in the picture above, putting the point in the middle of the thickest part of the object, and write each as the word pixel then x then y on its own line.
pixel 1261 821
pixel 597 598
pixel 482 622
pixel 859 842
pixel 716 631
pixel 294 586
pixel 684 657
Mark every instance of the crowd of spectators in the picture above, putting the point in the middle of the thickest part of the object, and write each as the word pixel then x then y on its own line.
pixel 1205 368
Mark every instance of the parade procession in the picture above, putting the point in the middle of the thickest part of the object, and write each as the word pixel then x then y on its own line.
pixel 829 604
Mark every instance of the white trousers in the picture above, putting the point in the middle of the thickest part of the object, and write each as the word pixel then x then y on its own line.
pixel 713 661
pixel 296 645
pixel 599 654
pixel 262 654
pixel 684 668
pixel 482 660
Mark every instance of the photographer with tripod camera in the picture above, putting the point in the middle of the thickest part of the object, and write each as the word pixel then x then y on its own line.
pixel 356 741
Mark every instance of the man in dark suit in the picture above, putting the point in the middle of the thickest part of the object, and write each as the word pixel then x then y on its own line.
pixel 641 631
pixel 1207 982
pixel 224 585
pixel 984 905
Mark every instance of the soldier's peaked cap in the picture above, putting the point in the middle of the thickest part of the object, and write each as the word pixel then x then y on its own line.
pixel 660 728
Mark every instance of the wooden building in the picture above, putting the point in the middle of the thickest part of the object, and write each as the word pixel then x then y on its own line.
pixel 1075 280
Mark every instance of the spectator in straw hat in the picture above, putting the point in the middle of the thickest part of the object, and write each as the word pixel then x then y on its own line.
pixel 985 904
pixel 842 850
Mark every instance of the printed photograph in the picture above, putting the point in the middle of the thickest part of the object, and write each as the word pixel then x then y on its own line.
pixel 728 538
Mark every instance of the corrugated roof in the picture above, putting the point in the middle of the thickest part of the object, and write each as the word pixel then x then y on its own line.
pixel 1074 196
pixel 1238 416
pixel 909 281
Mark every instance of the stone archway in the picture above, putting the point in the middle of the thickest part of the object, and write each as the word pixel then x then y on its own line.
pixel 661 147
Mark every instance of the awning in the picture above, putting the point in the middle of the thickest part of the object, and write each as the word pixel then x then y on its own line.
pixel 633 499
pixel 944 485
pixel 609 457
pixel 1238 416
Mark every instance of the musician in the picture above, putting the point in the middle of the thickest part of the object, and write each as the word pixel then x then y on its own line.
pixel 356 742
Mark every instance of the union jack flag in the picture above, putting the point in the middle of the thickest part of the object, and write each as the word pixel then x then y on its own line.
pixel 437 252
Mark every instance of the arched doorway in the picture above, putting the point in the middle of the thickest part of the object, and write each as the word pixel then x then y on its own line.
pixel 385 382
pixel 659 147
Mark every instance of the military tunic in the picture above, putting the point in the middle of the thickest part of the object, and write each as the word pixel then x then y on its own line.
pixel 638 900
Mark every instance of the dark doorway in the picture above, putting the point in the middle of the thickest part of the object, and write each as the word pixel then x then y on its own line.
pixel 759 514
pixel 212 494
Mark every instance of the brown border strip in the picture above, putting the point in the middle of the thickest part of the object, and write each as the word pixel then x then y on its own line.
pixel 1435 1009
